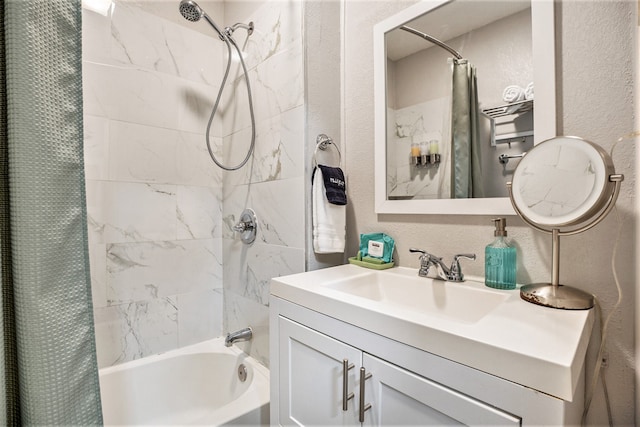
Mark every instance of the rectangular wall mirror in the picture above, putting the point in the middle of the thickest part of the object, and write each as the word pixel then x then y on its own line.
pixel 446 141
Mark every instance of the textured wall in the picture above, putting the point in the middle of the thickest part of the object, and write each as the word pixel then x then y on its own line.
pixel 154 207
pixel 595 51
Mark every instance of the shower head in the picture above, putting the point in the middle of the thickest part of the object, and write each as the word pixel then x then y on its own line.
pixel 190 10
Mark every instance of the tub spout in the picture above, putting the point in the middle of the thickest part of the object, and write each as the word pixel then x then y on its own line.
pixel 241 335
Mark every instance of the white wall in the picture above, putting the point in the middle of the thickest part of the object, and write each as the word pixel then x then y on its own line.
pixel 596 49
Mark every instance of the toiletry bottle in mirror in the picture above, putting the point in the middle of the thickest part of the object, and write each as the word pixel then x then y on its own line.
pixel 415 151
pixel 500 259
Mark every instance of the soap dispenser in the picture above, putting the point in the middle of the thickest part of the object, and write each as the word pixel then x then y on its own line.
pixel 500 259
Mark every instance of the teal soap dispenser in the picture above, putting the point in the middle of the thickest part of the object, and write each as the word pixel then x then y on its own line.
pixel 500 259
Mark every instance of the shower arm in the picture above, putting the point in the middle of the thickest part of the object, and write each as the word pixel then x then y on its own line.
pixel 432 40
pixel 229 30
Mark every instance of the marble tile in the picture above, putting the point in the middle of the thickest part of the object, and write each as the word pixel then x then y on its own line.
pixel 578 171
pixel 194 166
pixel 234 104
pixel 275 91
pixel 279 207
pixel 278 150
pixel 98 268
pixel 235 148
pixel 198 57
pixel 278 24
pixel 248 269
pixel 141 39
pixel 95 37
pixel 151 270
pixel 131 331
pixel 194 103
pixel 140 153
pixel 199 316
pixel 130 212
pixel 96 147
pixel 133 95
pixel 199 212
pixel 427 119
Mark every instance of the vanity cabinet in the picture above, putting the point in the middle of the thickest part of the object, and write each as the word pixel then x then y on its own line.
pixel 311 374
pixel 319 362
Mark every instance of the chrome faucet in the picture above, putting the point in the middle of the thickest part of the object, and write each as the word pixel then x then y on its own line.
pixel 452 274
pixel 242 335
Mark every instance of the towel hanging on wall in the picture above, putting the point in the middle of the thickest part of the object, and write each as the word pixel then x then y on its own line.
pixel 329 213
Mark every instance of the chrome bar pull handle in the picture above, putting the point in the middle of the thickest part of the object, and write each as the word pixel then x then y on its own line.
pixel 346 367
pixel 363 407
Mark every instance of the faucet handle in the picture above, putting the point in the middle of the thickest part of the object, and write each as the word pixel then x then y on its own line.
pixel 467 256
pixel 425 265
pixel 456 271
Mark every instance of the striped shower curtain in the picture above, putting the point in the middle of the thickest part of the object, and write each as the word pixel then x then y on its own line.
pixel 48 361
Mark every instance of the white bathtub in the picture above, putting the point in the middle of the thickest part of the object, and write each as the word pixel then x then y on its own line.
pixel 198 384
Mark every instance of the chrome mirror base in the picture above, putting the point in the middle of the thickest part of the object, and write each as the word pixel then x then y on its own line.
pixel 557 296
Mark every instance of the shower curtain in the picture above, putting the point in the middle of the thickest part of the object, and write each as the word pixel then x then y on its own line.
pixel 466 173
pixel 48 362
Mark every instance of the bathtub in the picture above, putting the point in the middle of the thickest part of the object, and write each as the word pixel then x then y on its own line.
pixel 194 385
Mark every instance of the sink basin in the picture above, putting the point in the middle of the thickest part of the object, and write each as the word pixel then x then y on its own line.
pixel 464 302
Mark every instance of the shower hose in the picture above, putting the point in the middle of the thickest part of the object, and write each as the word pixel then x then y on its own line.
pixel 228 41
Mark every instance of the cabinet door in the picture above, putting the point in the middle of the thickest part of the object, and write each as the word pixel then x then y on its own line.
pixel 400 397
pixel 311 377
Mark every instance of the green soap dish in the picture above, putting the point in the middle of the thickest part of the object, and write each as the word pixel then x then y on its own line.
pixel 384 266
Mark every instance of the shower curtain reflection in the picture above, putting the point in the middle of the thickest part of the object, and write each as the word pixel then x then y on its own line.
pixel 48 361
pixel 466 173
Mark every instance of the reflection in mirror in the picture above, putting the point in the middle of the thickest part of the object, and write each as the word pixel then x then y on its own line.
pixel 427 189
pixel 562 181
pixel 435 149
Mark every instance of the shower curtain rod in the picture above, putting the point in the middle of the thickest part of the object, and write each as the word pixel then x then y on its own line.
pixel 432 40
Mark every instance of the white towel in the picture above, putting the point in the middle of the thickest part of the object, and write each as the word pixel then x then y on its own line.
pixel 511 94
pixel 329 220
pixel 528 92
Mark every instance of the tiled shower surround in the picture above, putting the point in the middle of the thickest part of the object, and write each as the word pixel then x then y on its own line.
pixel 166 269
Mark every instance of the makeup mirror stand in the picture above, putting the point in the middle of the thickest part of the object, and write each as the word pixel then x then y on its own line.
pixel 554 294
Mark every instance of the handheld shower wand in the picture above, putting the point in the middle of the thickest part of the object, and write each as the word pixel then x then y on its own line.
pixel 190 10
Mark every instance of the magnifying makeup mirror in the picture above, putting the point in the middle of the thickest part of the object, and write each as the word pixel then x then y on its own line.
pixel 563 186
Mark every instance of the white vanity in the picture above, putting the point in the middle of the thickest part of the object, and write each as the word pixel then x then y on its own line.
pixel 356 346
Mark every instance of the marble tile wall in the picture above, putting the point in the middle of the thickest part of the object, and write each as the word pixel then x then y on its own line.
pixel 154 199
pixel 273 183
pixel 167 269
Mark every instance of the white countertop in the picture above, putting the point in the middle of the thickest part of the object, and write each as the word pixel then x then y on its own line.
pixel 538 347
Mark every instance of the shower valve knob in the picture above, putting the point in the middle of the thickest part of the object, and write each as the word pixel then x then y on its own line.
pixel 242 226
pixel 247 226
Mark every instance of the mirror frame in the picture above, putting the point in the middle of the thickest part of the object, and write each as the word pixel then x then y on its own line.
pixel 544 118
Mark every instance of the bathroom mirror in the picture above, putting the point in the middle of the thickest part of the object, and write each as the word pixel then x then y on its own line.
pixel 563 186
pixel 450 20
